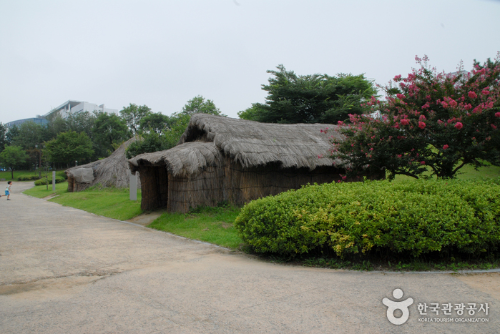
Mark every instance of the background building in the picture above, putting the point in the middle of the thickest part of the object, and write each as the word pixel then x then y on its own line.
pixel 72 106
pixel 37 120
pixel 64 110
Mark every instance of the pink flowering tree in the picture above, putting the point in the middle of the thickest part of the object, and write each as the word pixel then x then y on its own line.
pixel 430 120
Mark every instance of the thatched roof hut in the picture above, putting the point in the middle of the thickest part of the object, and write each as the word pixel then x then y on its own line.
pixel 220 159
pixel 112 171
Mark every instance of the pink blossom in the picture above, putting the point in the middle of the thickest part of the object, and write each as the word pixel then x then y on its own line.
pixel 399 155
pixel 404 121
pixel 444 104
pixel 371 149
pixel 485 92
pixel 445 147
pixel 344 177
pixel 422 118
pixel 494 126
pixel 468 106
pixel 400 96
pixel 453 103
pixel 422 162
pixel 421 125
pixel 340 123
pixel 397 77
pixel 459 125
pixel 472 95
pixel 497 114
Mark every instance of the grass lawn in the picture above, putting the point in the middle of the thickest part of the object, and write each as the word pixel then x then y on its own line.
pixel 17 173
pixel 112 203
pixel 466 173
pixel 41 191
pixel 213 225
pixel 7 175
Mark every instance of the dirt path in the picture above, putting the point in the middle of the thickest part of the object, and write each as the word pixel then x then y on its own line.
pixel 63 270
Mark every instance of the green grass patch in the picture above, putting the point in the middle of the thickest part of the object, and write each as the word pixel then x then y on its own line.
pixel 466 173
pixel 42 191
pixel 213 225
pixel 108 202
pixel 7 175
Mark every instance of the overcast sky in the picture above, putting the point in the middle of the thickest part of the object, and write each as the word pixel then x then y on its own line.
pixel 162 53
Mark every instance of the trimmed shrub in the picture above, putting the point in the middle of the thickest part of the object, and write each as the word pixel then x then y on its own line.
pixel 62 174
pixel 27 177
pixel 413 218
pixel 43 181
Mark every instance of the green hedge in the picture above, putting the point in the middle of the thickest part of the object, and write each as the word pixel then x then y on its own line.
pixel 27 177
pixel 42 181
pixel 414 217
pixel 62 174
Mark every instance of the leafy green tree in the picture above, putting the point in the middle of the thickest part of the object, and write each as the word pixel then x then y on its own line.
pixel 432 121
pixel 13 157
pixel 155 122
pixel 12 132
pixel 30 135
pixel 133 115
pixel 162 138
pixel 108 132
pixel 68 147
pixel 81 122
pixel 198 105
pixel 54 127
pixel 316 98
pixel 3 139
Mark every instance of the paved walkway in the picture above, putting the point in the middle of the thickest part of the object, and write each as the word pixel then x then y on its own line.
pixel 63 270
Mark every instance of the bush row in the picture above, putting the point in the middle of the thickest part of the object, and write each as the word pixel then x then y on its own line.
pixel 413 217
pixel 60 174
pixel 27 177
pixel 43 181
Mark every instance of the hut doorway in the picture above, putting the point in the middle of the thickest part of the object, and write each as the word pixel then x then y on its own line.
pixel 154 186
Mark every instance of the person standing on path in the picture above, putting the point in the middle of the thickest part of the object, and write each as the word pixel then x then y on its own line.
pixel 7 190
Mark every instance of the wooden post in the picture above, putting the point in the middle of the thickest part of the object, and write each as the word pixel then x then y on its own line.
pixel 133 186
pixel 53 180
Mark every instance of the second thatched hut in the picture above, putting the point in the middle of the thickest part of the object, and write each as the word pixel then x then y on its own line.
pixel 220 159
pixel 112 171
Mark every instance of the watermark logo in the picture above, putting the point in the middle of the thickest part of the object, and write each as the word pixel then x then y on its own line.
pixel 402 305
pixel 434 312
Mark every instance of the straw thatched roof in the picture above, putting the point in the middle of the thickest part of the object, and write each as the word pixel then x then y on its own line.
pixel 112 171
pixel 249 143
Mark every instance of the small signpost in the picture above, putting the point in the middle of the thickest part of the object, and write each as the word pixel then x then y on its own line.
pixel 133 186
pixel 53 180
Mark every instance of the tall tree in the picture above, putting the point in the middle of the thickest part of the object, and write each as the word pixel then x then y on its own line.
pixel 12 132
pixel 198 105
pixel 109 131
pixel 29 136
pixel 54 127
pixel 3 139
pixel 133 115
pixel 316 98
pixel 68 147
pixel 13 157
pixel 81 122
pixel 175 126
pixel 431 121
pixel 155 122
